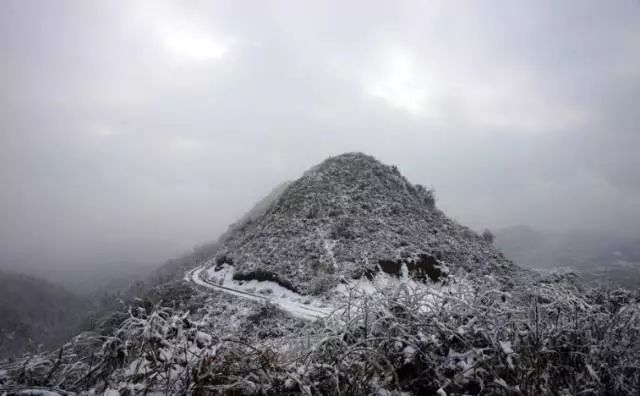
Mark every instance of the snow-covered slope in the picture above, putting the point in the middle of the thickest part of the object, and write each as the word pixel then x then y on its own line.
pixel 367 243
pixel 258 210
pixel 352 216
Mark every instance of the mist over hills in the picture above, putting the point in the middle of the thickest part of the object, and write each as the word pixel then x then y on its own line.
pixel 266 198
pixel 349 280
pixel 34 313
pixel 598 256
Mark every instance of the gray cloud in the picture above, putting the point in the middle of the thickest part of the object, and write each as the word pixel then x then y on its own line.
pixel 131 131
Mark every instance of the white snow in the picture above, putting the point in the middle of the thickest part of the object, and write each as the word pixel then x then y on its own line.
pixel 309 307
pixel 408 353
pixel 592 372
pixel 506 347
pixel 203 338
pixel 329 244
pixel 264 291
pixel 197 278
pixel 384 283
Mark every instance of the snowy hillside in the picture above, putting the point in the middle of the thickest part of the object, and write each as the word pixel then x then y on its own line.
pixel 350 281
pixel 352 216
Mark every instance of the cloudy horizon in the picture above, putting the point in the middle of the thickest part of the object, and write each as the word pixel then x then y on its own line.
pixel 132 131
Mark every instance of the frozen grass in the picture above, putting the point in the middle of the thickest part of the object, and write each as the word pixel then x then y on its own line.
pixel 539 336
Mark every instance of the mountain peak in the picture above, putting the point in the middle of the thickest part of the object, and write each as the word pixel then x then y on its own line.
pixel 352 216
pixel 351 165
pixel 352 158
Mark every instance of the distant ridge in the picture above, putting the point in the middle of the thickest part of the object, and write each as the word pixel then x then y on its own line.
pixel 34 311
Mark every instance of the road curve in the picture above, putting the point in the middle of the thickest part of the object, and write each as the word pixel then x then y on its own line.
pixel 302 311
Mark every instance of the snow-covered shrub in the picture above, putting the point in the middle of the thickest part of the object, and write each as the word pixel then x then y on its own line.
pixel 488 236
pixel 430 198
pixel 473 336
pixel 542 338
pixel 321 283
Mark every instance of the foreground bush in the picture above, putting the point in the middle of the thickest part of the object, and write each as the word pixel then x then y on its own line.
pixel 475 337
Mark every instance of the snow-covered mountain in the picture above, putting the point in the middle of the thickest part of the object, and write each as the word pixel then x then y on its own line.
pixel 352 216
pixel 350 281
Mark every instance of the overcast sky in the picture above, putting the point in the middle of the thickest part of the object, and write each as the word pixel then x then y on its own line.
pixel 132 130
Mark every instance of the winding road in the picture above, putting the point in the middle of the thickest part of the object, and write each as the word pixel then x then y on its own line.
pixel 303 311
